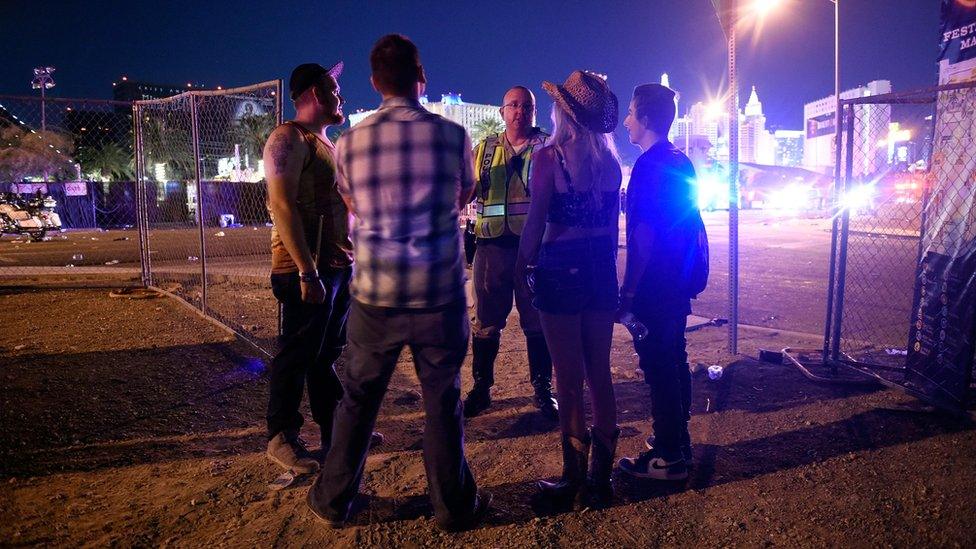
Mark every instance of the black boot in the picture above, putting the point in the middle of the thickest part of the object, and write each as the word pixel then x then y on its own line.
pixel 571 487
pixel 601 467
pixel 483 353
pixel 540 375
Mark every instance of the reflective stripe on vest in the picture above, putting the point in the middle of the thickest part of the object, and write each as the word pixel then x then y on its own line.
pixel 493 210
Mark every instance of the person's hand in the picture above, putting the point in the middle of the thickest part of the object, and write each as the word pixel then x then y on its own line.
pixel 313 291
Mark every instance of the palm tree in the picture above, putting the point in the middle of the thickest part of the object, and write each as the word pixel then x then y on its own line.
pixel 110 162
pixel 166 140
pixel 485 127
pixel 251 132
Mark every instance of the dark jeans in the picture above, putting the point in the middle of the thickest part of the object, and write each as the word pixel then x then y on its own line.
pixel 438 339
pixel 664 359
pixel 312 338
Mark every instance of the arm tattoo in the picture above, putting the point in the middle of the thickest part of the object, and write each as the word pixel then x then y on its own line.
pixel 280 147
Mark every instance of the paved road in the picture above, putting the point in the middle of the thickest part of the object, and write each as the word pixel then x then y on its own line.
pixel 783 268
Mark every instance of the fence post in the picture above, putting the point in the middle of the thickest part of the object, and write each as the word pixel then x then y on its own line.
pixel 834 211
pixel 279 101
pixel 842 253
pixel 142 223
pixel 279 115
pixel 195 136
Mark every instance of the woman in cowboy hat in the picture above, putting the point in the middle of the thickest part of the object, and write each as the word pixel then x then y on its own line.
pixel 570 237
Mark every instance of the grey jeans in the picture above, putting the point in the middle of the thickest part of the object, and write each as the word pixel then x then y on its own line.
pixel 438 339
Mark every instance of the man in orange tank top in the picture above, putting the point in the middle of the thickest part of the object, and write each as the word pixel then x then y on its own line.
pixel 311 264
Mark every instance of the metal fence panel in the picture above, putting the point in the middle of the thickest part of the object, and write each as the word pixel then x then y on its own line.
pixel 887 210
pixel 171 212
pixel 237 228
pixel 884 206
pixel 208 232
pixel 78 152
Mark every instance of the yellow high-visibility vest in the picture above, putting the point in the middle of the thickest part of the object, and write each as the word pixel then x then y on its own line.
pixel 503 187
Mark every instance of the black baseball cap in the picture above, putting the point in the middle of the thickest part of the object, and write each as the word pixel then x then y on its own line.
pixel 307 74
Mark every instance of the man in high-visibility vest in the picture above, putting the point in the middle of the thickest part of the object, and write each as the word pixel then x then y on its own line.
pixel 501 164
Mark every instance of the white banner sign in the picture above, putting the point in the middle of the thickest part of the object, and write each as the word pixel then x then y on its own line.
pixel 76 188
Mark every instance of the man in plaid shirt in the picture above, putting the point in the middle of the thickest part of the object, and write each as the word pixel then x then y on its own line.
pixel 405 173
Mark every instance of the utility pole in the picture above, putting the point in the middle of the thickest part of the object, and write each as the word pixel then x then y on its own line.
pixel 43 81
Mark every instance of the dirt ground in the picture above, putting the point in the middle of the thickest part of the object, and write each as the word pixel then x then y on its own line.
pixel 137 422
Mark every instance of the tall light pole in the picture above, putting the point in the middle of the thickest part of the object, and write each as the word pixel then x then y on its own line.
pixel 43 81
pixel 733 104
pixel 729 15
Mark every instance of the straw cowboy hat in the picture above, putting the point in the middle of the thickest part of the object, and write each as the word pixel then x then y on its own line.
pixel 587 99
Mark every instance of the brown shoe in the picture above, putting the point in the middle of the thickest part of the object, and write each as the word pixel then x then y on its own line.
pixel 319 514
pixel 288 450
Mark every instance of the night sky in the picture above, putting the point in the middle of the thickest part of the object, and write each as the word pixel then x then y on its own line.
pixel 477 48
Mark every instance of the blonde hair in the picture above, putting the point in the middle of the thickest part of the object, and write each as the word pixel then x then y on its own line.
pixel 583 149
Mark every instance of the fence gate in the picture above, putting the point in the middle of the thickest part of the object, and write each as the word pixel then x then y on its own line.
pixel 901 307
pixel 205 230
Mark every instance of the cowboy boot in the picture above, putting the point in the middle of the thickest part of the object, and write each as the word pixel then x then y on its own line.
pixel 540 375
pixel 571 486
pixel 601 467
pixel 483 353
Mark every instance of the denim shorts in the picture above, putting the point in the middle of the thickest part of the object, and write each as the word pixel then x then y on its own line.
pixel 574 276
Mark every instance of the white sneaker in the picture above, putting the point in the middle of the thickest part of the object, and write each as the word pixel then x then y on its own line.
pixel 653 464
pixel 288 450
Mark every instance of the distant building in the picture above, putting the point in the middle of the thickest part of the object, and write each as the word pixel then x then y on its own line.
pixel 451 107
pixel 130 90
pixel 755 143
pixel 789 148
pixel 870 126
pixel 93 129
pixel 709 122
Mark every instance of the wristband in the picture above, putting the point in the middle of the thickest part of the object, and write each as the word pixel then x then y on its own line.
pixel 308 277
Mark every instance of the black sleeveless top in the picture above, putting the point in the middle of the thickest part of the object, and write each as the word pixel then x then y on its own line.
pixel 580 208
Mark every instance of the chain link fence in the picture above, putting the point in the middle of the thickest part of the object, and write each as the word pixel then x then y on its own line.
pixel 77 153
pixel 906 212
pixel 206 226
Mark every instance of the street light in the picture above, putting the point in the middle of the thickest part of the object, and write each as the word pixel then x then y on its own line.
pixel 43 81
pixel 729 15
pixel 763 7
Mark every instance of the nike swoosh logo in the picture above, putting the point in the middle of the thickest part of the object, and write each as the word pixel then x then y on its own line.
pixel 654 464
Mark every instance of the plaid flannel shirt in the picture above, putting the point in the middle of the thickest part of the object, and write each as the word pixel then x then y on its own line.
pixel 404 170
